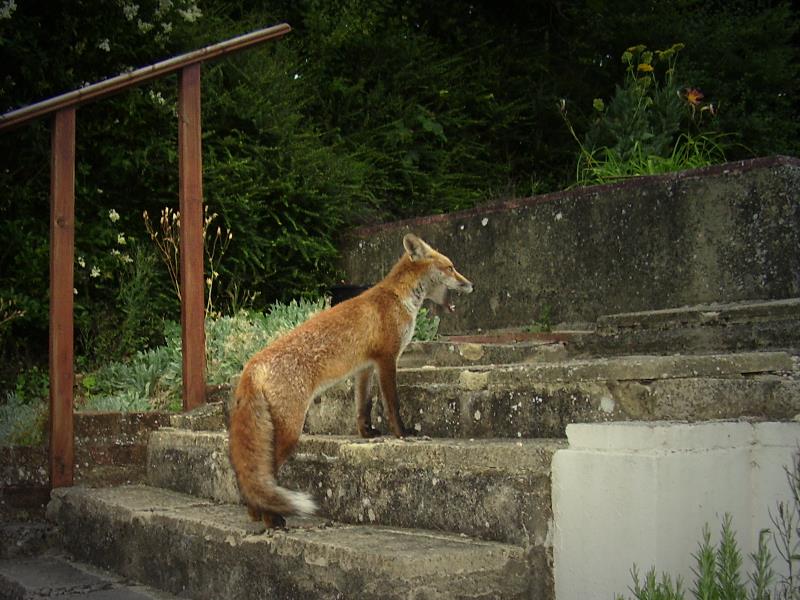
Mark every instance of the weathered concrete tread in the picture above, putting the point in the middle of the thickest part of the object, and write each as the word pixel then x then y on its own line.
pixel 706 314
pixel 53 576
pixel 487 488
pixel 192 546
pixel 621 368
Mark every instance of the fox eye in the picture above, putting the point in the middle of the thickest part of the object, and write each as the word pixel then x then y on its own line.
pixel 450 269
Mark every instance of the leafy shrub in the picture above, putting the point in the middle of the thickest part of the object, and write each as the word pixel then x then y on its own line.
pixel 650 125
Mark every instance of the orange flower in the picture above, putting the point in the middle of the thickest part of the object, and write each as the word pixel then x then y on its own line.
pixel 693 96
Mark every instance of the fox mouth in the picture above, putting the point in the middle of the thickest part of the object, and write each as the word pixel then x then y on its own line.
pixel 442 298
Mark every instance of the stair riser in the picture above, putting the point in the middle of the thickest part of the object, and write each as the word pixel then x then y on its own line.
pixel 391 483
pixel 623 335
pixel 544 410
pixel 446 354
pixel 180 550
pixel 733 337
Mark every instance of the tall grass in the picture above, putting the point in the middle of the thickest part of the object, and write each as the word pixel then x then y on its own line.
pixel 606 165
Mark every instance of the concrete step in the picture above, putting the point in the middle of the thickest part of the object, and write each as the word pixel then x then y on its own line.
pixel 492 489
pixel 540 399
pixel 54 576
pixel 736 326
pixel 454 353
pixel 200 549
pixel 703 328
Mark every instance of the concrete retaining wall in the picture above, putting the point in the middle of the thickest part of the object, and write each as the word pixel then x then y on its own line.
pixel 628 493
pixel 719 234
pixel 110 448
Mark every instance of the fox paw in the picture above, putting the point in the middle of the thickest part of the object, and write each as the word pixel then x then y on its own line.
pixel 274 521
pixel 369 432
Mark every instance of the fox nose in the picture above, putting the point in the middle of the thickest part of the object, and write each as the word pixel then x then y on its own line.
pixel 468 287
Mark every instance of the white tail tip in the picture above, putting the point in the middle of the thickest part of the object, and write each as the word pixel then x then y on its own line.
pixel 302 503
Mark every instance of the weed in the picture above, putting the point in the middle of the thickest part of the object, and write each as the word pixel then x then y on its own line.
pixel 544 323
pixel 427 327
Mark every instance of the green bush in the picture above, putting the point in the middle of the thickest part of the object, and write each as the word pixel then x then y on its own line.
pixel 651 125
pixel 151 379
pixel 367 111
pixel 718 572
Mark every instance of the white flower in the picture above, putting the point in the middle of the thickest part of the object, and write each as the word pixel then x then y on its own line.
pixel 121 239
pixel 81 262
pixel 113 215
pixel 116 252
pixel 191 14
pixel 74 291
pixel 7 9
pixel 130 11
pixel 95 272
pixel 156 97
pixel 104 45
pixel 163 7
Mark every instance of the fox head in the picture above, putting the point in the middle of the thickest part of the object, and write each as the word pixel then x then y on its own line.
pixel 441 275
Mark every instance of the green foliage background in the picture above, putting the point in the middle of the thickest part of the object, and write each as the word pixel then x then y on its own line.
pixel 367 111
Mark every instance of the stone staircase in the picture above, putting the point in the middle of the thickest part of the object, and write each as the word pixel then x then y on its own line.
pixel 463 510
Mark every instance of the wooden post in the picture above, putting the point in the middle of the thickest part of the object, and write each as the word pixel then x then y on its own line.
pixel 192 249
pixel 62 249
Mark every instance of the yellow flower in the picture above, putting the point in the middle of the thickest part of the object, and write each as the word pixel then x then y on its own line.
pixel 645 67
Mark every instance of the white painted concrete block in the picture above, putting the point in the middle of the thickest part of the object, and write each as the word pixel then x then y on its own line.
pixel 626 493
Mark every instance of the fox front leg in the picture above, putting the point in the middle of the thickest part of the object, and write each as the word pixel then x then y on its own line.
pixel 364 404
pixel 387 376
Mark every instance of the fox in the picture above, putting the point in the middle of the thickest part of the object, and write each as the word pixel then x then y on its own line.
pixel 354 338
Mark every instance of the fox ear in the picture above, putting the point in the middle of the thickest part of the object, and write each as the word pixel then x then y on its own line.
pixel 416 248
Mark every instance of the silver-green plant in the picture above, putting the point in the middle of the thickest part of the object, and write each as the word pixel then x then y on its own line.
pixel 22 423
pixel 152 380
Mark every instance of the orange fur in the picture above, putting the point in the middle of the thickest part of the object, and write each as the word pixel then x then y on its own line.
pixel 352 338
